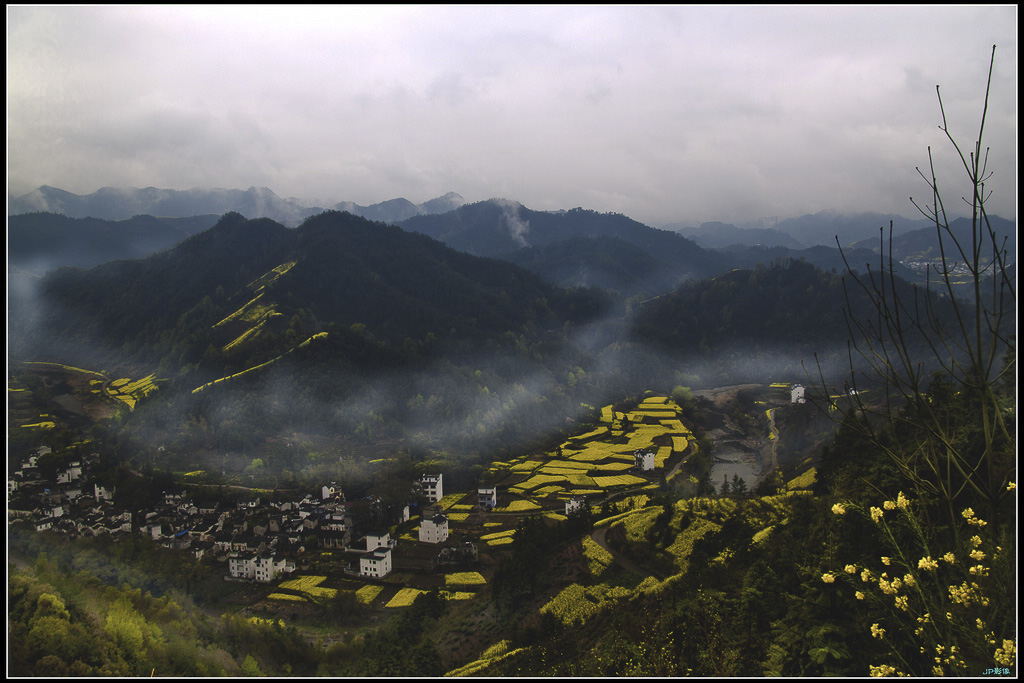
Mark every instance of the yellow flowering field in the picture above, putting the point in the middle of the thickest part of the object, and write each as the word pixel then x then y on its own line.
pixel 500 541
pixel 457 595
pixel 498 534
pixel 591 434
pixel 620 480
pixel 519 506
pixel 368 593
pixel 558 466
pixel 286 596
pixel 539 480
pixel 526 465
pixel 571 605
pixel 491 655
pixel 598 559
pixel 804 481
pixel 614 466
pixel 450 500
pixel 464 579
pixel 405 597
pixel 310 585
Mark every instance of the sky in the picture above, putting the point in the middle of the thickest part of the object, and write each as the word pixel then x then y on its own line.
pixel 667 114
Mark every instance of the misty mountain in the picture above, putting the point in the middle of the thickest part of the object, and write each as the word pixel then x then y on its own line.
pixel 922 245
pixel 607 262
pixel 789 312
pixel 247 289
pixel 37 242
pixel 500 228
pixel 715 235
pixel 397 210
pixel 121 203
pixel 113 203
pixel 824 227
pixel 826 258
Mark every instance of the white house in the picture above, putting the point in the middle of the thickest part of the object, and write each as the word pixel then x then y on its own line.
pixel 242 565
pixel 264 567
pixel 434 530
pixel 330 491
pixel 797 394
pixel 432 487
pixel 644 460
pixel 487 499
pixel 378 540
pixel 574 504
pixel 376 563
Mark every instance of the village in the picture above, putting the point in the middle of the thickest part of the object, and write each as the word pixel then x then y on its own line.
pixel 260 539
pixel 266 537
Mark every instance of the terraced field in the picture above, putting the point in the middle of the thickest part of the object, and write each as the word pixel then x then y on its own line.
pixel 601 460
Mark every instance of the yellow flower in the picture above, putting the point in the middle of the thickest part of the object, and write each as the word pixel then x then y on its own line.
pixel 889 505
pixel 1005 654
pixel 927 563
pixel 850 569
pixel 865 575
pixel 937 670
pixel 949 557
pixel 902 502
pixel 909 579
pixel 877 631
pixel 968 513
pixel 858 595
pixel 1011 486
pixel 975 541
pixel 886 561
pixel 882 671
pixel 981 624
pixel 828 577
pixel 876 515
pixel 901 602
pixel 838 509
pixel 977 555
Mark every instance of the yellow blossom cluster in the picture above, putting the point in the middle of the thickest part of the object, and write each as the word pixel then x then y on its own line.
pixel 968 514
pixel 927 563
pixel 965 594
pixel 877 631
pixel 1006 654
pixel 838 509
pixel 828 577
pixel 884 671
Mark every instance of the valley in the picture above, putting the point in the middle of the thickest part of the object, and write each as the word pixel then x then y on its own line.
pixel 211 445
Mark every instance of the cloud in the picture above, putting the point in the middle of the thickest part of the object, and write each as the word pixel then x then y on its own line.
pixel 662 113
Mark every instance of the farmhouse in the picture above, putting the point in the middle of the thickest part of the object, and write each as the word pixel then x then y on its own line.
pixel 434 529
pixel 375 563
pixel 381 539
pixel 487 499
pixel 797 394
pixel 573 504
pixel 432 487
pixel 644 460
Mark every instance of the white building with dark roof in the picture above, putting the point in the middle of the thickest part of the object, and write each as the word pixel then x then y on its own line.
pixel 434 529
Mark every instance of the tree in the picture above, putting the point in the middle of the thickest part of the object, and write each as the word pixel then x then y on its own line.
pixel 958 451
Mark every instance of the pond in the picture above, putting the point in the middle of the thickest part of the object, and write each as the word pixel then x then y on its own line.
pixel 731 459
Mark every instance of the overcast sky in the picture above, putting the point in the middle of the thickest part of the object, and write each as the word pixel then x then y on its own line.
pixel 662 113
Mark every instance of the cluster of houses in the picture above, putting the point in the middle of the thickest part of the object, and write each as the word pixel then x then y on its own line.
pixel 257 540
